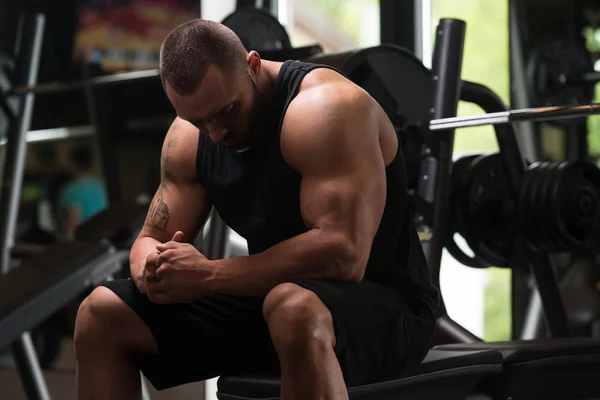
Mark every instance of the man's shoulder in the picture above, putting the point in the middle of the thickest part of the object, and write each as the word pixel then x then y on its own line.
pixel 179 152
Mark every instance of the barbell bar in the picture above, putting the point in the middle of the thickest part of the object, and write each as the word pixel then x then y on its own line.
pixel 519 115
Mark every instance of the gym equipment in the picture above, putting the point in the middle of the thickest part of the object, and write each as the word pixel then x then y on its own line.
pixel 556 209
pixel 443 374
pixel 580 290
pixel 258 29
pixel 49 279
pixel 510 116
pixel 541 368
pixel 525 362
pixel 482 211
pixel 561 71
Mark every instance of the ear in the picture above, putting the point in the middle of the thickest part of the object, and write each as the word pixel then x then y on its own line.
pixel 254 62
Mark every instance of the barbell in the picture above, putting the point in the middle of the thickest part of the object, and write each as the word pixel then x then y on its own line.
pixel 519 115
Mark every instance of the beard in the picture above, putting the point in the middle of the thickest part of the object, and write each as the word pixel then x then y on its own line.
pixel 254 130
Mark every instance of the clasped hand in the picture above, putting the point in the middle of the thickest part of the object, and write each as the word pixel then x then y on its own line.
pixel 177 273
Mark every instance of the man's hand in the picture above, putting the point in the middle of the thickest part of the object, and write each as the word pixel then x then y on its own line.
pixel 177 273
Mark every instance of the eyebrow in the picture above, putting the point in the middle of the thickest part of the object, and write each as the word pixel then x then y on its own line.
pixel 199 121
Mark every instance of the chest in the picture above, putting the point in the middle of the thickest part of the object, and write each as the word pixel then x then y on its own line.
pixel 257 195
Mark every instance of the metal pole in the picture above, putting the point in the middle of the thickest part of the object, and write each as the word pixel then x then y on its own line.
pixel 435 176
pixel 511 116
pixel 29 52
pixel 533 317
pixel 30 372
pixel 554 308
pixel 10 193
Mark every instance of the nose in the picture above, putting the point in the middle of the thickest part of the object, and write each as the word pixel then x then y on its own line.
pixel 217 132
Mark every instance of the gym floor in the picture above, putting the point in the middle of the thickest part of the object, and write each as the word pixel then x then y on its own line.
pixel 61 382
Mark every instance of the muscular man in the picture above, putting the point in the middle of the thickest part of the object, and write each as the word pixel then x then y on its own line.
pixel 307 167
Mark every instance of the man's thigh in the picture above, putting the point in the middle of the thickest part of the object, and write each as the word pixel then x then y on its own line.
pixel 217 335
pixel 377 335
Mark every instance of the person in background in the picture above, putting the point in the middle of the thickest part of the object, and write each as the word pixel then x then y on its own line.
pixel 85 195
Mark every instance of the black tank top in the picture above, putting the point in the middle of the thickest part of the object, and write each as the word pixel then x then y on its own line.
pixel 258 195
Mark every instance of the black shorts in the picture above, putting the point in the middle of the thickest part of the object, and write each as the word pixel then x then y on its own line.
pixel 377 335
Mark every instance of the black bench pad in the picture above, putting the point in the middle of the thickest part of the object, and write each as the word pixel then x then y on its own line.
pixel 43 284
pixel 557 368
pixel 442 374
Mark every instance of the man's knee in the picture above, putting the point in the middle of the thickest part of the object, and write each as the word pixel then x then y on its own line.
pixel 95 314
pixel 297 317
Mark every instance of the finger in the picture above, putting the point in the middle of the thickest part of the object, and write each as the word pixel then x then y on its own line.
pixel 151 269
pixel 178 237
pixel 167 246
pixel 151 258
pixel 164 257
pixel 160 271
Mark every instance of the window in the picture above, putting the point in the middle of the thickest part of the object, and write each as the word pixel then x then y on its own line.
pixel 592 35
pixel 336 25
pixel 478 299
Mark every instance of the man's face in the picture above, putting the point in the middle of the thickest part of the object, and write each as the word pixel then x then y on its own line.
pixel 227 106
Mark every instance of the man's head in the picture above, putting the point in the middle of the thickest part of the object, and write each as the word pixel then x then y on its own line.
pixel 210 79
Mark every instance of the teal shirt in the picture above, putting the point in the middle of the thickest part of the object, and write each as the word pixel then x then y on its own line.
pixel 87 194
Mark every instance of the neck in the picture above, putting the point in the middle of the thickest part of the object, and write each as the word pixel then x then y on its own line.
pixel 267 78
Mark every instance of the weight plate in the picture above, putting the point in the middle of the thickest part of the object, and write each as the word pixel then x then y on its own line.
pixel 581 204
pixel 490 210
pixel 525 214
pixel 551 206
pixel 457 217
pixel 258 30
pixel 548 229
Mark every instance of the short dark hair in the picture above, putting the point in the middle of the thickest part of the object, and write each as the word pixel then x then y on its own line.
pixel 189 50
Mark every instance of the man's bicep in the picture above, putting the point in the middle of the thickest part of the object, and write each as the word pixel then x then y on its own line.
pixel 348 202
pixel 176 207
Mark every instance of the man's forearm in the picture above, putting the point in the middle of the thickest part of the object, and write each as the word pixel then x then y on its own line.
pixel 310 255
pixel 143 246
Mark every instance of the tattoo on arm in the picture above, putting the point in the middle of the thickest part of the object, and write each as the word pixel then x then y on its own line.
pixel 158 214
pixel 166 160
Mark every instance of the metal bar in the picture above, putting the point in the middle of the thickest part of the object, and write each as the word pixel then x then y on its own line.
pixel 31 34
pixel 57 87
pixel 449 331
pixel 554 308
pixel 533 318
pixel 397 23
pixel 30 373
pixel 507 117
pixel 446 72
pixel 12 179
pixel 529 136
pixel 53 134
